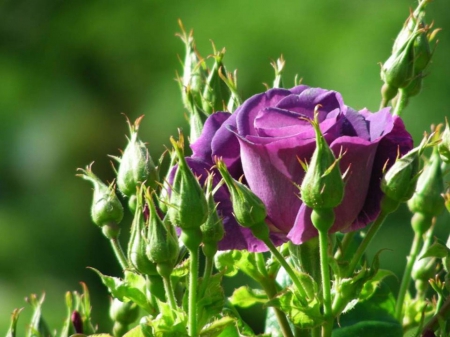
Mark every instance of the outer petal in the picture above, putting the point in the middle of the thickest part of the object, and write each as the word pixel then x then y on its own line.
pixel 202 147
pixel 397 140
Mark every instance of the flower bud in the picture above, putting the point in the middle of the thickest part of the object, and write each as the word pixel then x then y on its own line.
pixel 194 71
pixel 444 145
pixel 77 321
pixel 427 198
pixel 188 208
pixel 399 182
pixel 137 245
pixel 106 208
pixel 123 314
pixel 212 229
pixel 162 245
pixel 398 70
pixel 248 209
pixel 216 93
pixel 322 186
pixel 136 165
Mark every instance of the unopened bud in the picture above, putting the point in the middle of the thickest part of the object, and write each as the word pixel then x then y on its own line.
pixel 427 198
pixel 137 245
pixel 399 182
pixel 212 229
pixel 322 186
pixel 123 312
pixel 398 70
pixel 216 93
pixel 136 165
pixel 188 208
pixel 106 208
pixel 162 245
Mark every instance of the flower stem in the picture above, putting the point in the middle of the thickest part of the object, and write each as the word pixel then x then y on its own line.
pixel 118 251
pixel 346 241
pixel 169 292
pixel 326 283
pixel 270 289
pixel 287 267
pixel 415 249
pixel 209 262
pixel 402 102
pixel 365 242
pixel 192 306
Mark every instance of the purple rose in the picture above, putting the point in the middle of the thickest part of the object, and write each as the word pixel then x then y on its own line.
pixel 267 135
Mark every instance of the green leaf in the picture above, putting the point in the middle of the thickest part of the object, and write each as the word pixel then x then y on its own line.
pixel 303 316
pixel 135 332
pixel 436 250
pixel 169 323
pixel 217 327
pixel 128 289
pixel 211 304
pixel 380 307
pixel 370 329
pixel 85 309
pixel 371 285
pixel 245 297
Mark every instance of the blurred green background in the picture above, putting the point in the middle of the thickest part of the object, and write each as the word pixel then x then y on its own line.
pixel 68 69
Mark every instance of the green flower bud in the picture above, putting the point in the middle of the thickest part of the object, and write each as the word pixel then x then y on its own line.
pixel 123 314
pixel 216 93
pixel 188 208
pixel 444 145
pixel 398 70
pixel 194 71
pixel 136 165
pixel 162 245
pixel 399 182
pixel 415 86
pixel 248 209
pixel 322 186
pixel 137 245
pixel 427 198
pixel 106 208
pixel 212 229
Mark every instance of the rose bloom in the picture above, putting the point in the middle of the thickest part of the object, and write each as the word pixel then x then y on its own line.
pixel 266 136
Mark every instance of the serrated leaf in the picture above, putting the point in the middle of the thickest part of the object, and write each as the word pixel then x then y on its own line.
pixel 245 297
pixel 303 316
pixel 135 332
pixel 371 285
pixel 217 327
pixel 125 291
pixel 379 307
pixel 436 250
pixel 212 302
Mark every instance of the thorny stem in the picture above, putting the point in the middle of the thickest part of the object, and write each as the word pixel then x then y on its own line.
pixel 209 262
pixel 402 102
pixel 192 306
pixel 326 284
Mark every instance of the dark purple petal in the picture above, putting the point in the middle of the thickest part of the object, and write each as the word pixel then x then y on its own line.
pixel 306 102
pixel 202 147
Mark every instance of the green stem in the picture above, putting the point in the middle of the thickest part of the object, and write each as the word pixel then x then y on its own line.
pixel 192 314
pixel 346 241
pixel 118 251
pixel 365 242
pixel 402 102
pixel 169 292
pixel 287 267
pixel 316 332
pixel 326 283
pixel 415 249
pixel 270 289
pixel 209 262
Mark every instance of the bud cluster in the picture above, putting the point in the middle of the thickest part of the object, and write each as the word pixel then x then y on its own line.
pixel 405 69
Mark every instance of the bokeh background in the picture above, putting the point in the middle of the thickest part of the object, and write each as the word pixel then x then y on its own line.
pixel 68 69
